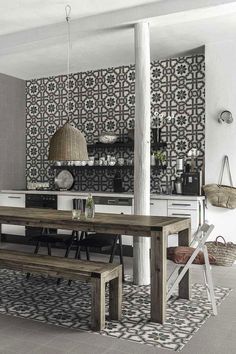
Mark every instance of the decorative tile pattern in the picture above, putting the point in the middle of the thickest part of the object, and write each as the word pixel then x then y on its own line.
pixel 42 300
pixel 104 100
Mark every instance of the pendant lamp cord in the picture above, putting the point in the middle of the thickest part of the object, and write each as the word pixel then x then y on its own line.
pixel 68 11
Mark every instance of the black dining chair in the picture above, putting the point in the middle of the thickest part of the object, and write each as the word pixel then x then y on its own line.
pixel 48 238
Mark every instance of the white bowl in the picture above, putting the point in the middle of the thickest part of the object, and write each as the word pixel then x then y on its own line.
pixel 111 163
pixel 90 163
pixel 108 138
pixel 83 163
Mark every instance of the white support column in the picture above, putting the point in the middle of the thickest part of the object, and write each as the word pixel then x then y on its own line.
pixel 141 268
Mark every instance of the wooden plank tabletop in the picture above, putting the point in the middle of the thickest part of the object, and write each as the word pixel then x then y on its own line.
pixel 140 225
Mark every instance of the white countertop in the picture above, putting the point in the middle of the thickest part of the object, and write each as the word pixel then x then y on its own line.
pixel 104 194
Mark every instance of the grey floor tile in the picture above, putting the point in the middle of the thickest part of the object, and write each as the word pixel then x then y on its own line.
pixel 62 343
pixel 43 349
pixel 21 346
pixel 15 331
pixel 85 337
pixel 4 341
pixel 125 346
pixel 7 351
pixel 88 348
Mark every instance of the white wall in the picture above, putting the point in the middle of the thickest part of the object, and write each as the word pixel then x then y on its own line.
pixel 220 139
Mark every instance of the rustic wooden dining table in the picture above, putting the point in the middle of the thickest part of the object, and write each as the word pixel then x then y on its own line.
pixel 156 227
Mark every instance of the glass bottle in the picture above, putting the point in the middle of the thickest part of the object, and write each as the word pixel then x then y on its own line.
pixel 89 207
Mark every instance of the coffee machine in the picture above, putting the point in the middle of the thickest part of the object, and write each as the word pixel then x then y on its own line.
pixel 188 179
pixel 192 183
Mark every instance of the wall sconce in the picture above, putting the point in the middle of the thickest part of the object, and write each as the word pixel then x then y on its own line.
pixel 226 117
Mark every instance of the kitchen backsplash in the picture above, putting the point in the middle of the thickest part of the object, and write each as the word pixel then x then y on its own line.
pixel 104 101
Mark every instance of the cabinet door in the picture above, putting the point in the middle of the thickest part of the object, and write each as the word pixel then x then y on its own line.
pixel 182 208
pixel 183 204
pixel 13 200
pixel 158 207
pixel 183 213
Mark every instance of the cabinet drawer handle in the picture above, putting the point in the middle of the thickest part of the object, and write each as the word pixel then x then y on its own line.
pixel 111 202
pixel 180 204
pixel 151 203
pixel 176 214
pixel 11 197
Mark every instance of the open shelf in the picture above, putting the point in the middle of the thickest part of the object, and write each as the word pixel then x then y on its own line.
pixel 120 144
pixel 65 167
pixel 98 167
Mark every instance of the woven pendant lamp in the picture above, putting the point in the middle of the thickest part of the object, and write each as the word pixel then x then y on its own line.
pixel 68 143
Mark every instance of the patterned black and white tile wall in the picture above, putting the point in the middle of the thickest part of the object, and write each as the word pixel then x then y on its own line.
pixel 104 100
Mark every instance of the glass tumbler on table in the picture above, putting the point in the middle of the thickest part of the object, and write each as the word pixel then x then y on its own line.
pixel 76 214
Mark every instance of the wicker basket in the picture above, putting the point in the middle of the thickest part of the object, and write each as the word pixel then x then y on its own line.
pixel 224 252
pixel 220 195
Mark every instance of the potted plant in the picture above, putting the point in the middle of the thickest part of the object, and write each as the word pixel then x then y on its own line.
pixel 160 157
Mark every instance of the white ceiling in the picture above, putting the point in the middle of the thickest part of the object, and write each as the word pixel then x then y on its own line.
pixel 33 32
pixel 17 15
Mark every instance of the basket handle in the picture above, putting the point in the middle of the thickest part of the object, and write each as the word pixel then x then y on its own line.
pixel 225 164
pixel 216 241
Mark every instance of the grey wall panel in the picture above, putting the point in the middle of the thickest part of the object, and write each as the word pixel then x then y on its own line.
pixel 12 132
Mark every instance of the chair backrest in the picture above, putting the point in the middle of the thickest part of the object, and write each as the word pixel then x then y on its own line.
pixel 79 204
pixel 201 235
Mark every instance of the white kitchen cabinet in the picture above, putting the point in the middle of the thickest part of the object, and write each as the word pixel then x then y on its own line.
pixel 158 207
pixel 186 213
pixel 12 200
pixel 188 208
pixel 182 204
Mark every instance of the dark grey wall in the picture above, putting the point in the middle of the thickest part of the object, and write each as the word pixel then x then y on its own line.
pixel 12 132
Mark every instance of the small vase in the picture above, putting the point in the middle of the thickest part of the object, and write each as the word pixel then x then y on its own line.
pixel 153 160
pixel 89 213
pixel 89 208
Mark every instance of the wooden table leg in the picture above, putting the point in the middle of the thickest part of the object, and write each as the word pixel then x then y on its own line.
pixel 184 238
pixel 158 277
pixel 98 304
pixel 115 296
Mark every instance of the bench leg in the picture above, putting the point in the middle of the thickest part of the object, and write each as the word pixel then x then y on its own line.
pixel 98 304
pixel 35 252
pixel 115 297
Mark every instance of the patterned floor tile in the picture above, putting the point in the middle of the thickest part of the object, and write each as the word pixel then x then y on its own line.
pixel 42 300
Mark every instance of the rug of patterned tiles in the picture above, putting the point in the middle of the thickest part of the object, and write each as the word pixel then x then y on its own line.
pixel 42 300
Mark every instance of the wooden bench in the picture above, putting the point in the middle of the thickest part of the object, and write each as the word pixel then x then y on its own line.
pixel 97 273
